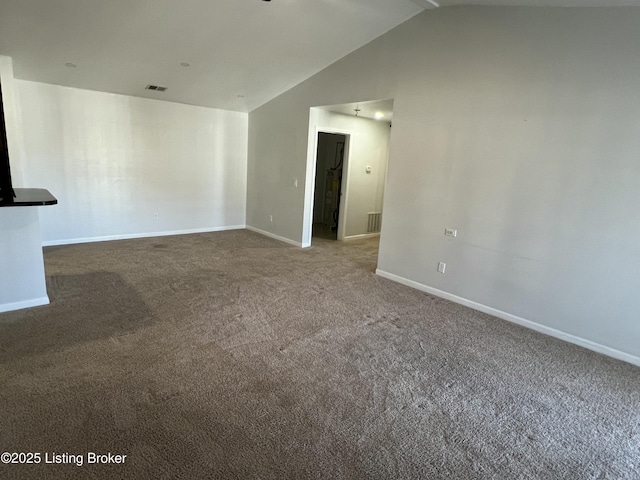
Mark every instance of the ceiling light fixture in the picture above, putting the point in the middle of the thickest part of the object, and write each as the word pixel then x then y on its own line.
pixel 185 64
pixel 357 110
pixel 70 65
pixel 379 115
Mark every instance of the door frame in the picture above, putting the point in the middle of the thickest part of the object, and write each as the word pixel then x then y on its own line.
pixel 312 161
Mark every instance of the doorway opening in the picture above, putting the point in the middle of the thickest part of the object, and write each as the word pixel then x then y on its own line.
pixel 330 168
pixel 347 156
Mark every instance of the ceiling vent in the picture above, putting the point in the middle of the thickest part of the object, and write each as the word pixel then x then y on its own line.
pixel 155 87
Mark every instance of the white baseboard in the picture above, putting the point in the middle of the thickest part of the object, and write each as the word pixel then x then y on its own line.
pixel 350 238
pixel 71 241
pixel 596 347
pixel 35 302
pixel 274 236
pixel 362 236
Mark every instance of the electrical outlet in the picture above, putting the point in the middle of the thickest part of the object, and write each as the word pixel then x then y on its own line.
pixel 441 267
pixel 450 232
pixel 295 182
pixel 271 218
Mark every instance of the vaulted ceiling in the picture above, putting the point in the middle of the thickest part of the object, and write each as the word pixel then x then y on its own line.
pixel 229 54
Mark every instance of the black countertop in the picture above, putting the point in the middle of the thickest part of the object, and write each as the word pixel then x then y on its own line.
pixel 29 197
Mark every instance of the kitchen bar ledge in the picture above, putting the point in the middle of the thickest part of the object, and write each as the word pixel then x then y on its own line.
pixel 29 197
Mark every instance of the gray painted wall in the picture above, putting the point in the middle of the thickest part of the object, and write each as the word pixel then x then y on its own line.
pixel 368 146
pixel 518 127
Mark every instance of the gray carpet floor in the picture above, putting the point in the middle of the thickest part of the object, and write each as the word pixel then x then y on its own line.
pixel 231 355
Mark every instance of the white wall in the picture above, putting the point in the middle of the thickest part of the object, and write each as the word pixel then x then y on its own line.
pixel 518 127
pixel 22 280
pixel 368 146
pixel 114 161
pixel 12 119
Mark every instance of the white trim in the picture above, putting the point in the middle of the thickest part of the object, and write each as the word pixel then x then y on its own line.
pixel 310 176
pixel 362 236
pixel 274 236
pixel 71 241
pixel 567 337
pixel 344 185
pixel 35 302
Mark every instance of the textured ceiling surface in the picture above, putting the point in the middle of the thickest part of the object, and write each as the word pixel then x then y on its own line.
pixel 240 53
pixel 542 3
pixel 233 54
